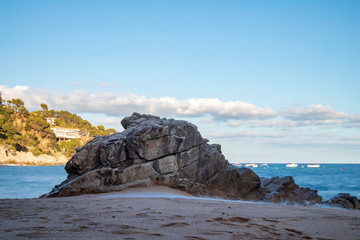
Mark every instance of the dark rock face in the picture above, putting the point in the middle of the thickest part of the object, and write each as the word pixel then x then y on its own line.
pixel 344 200
pixel 153 151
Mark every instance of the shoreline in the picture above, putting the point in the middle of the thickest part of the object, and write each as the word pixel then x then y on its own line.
pixel 174 216
pixel 164 192
pixel 8 157
pixel 62 162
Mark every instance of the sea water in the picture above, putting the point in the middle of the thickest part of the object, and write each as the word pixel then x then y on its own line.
pixel 328 179
pixel 29 181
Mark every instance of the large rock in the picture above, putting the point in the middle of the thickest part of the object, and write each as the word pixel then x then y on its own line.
pixel 153 151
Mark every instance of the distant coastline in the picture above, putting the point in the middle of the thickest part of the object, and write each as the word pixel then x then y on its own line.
pixel 28 159
pixel 41 138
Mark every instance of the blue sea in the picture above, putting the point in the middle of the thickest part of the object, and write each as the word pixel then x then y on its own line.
pixel 29 181
pixel 328 179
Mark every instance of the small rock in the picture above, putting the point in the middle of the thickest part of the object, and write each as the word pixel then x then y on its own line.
pixel 344 200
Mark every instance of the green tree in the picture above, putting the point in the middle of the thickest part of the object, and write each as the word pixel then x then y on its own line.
pixel 101 128
pixel 22 109
pixel 110 131
pixel 9 129
pixel 17 105
pixel 1 100
pixel 37 123
pixel 44 107
pixel 70 146
pixel 2 130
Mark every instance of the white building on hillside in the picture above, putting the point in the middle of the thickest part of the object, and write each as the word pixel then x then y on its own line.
pixel 51 120
pixel 66 133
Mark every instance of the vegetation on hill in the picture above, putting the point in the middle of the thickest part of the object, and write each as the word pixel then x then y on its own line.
pixel 21 130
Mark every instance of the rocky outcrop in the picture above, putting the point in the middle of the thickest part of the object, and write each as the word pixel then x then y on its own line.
pixel 344 200
pixel 154 151
pixel 285 190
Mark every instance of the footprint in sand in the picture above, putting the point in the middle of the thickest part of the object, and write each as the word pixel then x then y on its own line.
pixel 270 220
pixel 293 231
pixel 177 216
pixel 194 238
pixel 229 221
pixel 177 224
pixel 141 215
pixel 297 233
pixel 239 219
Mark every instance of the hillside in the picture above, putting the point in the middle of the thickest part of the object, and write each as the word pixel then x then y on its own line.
pixel 26 137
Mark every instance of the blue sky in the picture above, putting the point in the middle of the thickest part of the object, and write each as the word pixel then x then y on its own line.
pixel 271 81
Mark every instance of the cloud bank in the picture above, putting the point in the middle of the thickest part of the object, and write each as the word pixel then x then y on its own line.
pixel 314 112
pixel 113 104
pixel 234 113
pixel 248 134
pixel 109 121
pixel 314 115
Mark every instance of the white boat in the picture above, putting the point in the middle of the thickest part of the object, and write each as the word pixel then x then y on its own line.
pixel 292 165
pixel 251 165
pixel 313 165
pixel 264 165
pixel 237 164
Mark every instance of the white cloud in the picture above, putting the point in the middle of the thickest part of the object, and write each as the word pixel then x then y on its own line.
pixel 109 121
pixel 236 113
pixel 113 104
pixel 352 125
pixel 314 115
pixel 261 123
pixel 283 124
pixel 207 120
pixel 247 134
pixel 223 110
pixel 314 112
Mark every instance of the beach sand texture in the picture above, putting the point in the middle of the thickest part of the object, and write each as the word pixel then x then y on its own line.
pixel 173 216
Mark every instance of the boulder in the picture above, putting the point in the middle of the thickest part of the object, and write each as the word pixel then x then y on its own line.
pixel 154 151
pixel 344 200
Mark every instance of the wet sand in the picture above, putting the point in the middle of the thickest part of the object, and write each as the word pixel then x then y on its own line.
pixel 162 213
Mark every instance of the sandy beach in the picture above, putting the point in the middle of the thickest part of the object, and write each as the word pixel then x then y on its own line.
pixel 162 213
